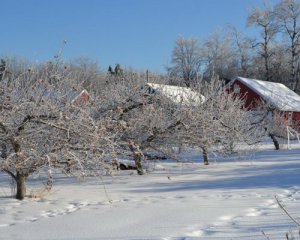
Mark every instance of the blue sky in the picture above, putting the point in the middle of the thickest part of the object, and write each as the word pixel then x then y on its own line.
pixel 136 33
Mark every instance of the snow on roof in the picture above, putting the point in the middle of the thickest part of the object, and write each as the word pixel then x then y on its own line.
pixel 178 94
pixel 277 94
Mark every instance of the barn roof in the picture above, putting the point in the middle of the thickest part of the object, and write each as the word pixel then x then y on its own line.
pixel 178 94
pixel 277 94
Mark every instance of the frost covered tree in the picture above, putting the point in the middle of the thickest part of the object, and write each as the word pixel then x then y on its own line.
pixel 287 14
pixel 219 56
pixel 140 118
pixel 186 60
pixel 41 127
pixel 243 53
pixel 145 119
pixel 218 123
pixel 86 72
pixel 264 18
pixel 269 122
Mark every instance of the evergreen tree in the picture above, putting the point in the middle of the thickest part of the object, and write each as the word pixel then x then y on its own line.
pixel 2 68
pixel 110 70
pixel 118 70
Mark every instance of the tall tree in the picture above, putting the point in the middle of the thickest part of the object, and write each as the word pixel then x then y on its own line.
pixel 287 13
pixel 118 70
pixel 186 60
pixel 219 56
pixel 263 18
pixel 2 68
pixel 243 47
pixel 110 70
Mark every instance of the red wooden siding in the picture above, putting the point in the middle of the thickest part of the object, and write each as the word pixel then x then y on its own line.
pixel 82 98
pixel 253 100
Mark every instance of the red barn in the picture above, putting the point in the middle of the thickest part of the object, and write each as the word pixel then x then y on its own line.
pixel 281 98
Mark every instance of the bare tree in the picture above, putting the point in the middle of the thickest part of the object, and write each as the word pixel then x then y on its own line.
pixel 144 118
pixel 87 73
pixel 219 56
pixel 40 127
pixel 287 13
pixel 243 47
pixel 219 123
pixel 186 60
pixel 264 19
pixel 280 64
pixel 141 118
pixel 275 126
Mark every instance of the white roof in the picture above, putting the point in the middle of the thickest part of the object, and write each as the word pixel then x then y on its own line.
pixel 277 94
pixel 178 94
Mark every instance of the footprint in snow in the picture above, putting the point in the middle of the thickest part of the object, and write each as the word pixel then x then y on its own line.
pixel 225 218
pixel 253 213
pixel 4 225
pixel 196 233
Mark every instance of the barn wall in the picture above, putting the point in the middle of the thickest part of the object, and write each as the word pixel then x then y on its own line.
pixel 252 99
pixel 296 120
pixel 284 116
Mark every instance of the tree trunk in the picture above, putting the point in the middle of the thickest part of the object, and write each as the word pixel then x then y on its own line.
pixel 205 155
pixel 275 141
pixel 293 65
pixel 21 186
pixel 266 55
pixel 137 156
pixel 138 163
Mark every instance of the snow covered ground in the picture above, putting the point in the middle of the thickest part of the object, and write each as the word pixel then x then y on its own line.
pixel 232 198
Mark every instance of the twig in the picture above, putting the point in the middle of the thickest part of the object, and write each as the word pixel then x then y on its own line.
pixel 286 212
pixel 105 190
pixel 265 235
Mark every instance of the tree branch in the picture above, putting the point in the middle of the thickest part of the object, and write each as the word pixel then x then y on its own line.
pixel 28 118
pixel 156 132
pixel 5 107
pixel 9 173
pixel 286 212
pixel 3 127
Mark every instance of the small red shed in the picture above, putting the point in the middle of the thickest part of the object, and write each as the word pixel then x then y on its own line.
pixel 281 98
pixel 82 98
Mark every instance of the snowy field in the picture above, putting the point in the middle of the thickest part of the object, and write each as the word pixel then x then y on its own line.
pixel 231 198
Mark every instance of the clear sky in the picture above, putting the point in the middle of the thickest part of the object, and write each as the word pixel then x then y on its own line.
pixel 136 33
